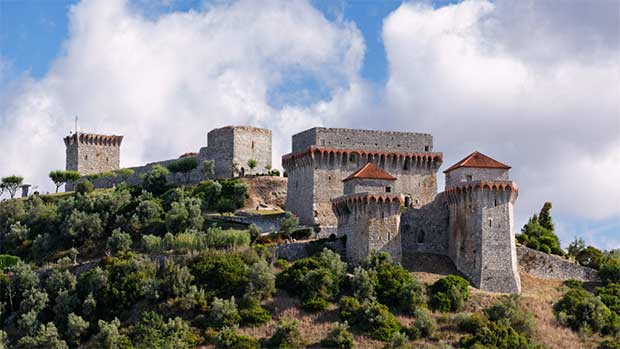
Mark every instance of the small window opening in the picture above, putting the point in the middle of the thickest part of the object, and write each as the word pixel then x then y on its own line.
pixel 85 157
pixel 427 148
pixel 329 178
pixel 388 189
pixel 382 215
pixel 421 237
pixel 417 201
pixel 252 144
pixel 490 223
pixel 322 142
pixel 470 178
pixel 495 202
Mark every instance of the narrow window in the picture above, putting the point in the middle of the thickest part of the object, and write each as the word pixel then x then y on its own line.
pixel 322 142
pixel 85 157
pixel 382 215
pixel 470 178
pixel 490 223
pixel 421 236
pixel 427 148
pixel 417 201
pixel 495 202
pixel 388 189
pixel 329 178
pixel 252 144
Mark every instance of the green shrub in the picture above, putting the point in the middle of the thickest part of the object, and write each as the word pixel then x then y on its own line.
pixel 155 181
pixel 470 323
pixel 424 322
pixel 363 284
pixel 154 332
pixel 218 238
pixel 252 313
pixel 223 274
pixel 496 335
pixel 610 270
pixel 286 335
pixel 119 241
pixel 84 187
pixel 507 312
pixel 152 244
pixel 339 337
pixel 109 336
pixel 227 338
pixel 581 310
pixel 572 283
pixel 224 313
pixel 398 341
pixel 538 233
pixel 610 295
pixel 610 344
pixel 370 317
pixel 314 304
pixel 291 279
pixel 449 293
pixel 7 261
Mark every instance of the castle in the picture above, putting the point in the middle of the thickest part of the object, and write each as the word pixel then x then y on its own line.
pixel 377 188
pixel 230 148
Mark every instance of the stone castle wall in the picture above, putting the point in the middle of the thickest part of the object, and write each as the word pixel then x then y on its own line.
pixel 91 153
pixel 425 229
pixel 363 139
pixel 229 147
pixel 316 175
pixel 463 175
pixel 481 235
pixel 547 266
pixel 371 222
pixel 361 185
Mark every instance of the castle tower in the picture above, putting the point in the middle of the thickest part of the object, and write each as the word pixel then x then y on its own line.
pixel 481 201
pixel 231 147
pixel 90 153
pixel 369 213
pixel 322 157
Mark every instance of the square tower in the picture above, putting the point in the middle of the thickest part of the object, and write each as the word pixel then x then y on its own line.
pixel 231 148
pixel 90 153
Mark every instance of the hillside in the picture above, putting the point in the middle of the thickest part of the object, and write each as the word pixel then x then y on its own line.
pixel 144 267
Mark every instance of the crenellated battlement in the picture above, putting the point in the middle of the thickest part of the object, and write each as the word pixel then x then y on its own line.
pixel 93 139
pixel 504 189
pixel 342 158
pixel 343 205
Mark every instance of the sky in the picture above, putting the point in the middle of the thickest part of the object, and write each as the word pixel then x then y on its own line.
pixel 531 83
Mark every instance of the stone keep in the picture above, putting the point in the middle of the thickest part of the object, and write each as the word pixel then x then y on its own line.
pixel 481 200
pixel 369 214
pixel 90 153
pixel 232 146
pixel 322 157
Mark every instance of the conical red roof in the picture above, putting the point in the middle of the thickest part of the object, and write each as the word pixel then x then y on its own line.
pixel 477 159
pixel 370 171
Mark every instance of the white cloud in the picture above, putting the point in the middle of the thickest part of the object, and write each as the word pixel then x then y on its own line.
pixel 517 81
pixel 164 82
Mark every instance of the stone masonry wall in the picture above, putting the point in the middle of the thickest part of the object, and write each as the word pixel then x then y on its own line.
pixel 220 148
pixel 361 185
pixel 317 177
pixel 363 139
pixel 92 153
pixel 481 237
pixel 425 229
pixel 545 266
pixel 251 143
pixel 458 176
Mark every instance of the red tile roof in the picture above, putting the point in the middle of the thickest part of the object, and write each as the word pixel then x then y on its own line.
pixel 370 171
pixel 477 159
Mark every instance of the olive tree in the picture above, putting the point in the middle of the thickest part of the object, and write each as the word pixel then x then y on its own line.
pixel 11 184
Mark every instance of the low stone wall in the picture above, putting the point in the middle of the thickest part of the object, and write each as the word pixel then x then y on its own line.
pixel 545 266
pixel 267 223
pixel 297 250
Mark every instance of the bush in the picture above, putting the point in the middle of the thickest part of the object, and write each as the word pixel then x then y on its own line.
pixel 252 313
pixel 223 274
pixel 84 187
pixel 155 181
pixel 291 279
pixel 151 244
pixel 119 241
pixel 424 322
pixel 339 337
pixel 109 336
pixel 218 238
pixel 398 341
pixel 610 296
pixel 610 344
pixel 449 293
pixel 224 313
pixel 286 335
pixel 370 317
pixel 227 338
pixel 154 332
pixel 497 336
pixel 470 323
pixel 539 234
pixel 507 312
pixel 610 270
pixel 583 311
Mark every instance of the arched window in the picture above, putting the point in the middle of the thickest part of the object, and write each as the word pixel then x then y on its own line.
pixel 421 236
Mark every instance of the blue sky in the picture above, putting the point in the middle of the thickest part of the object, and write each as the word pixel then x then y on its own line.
pixel 509 78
